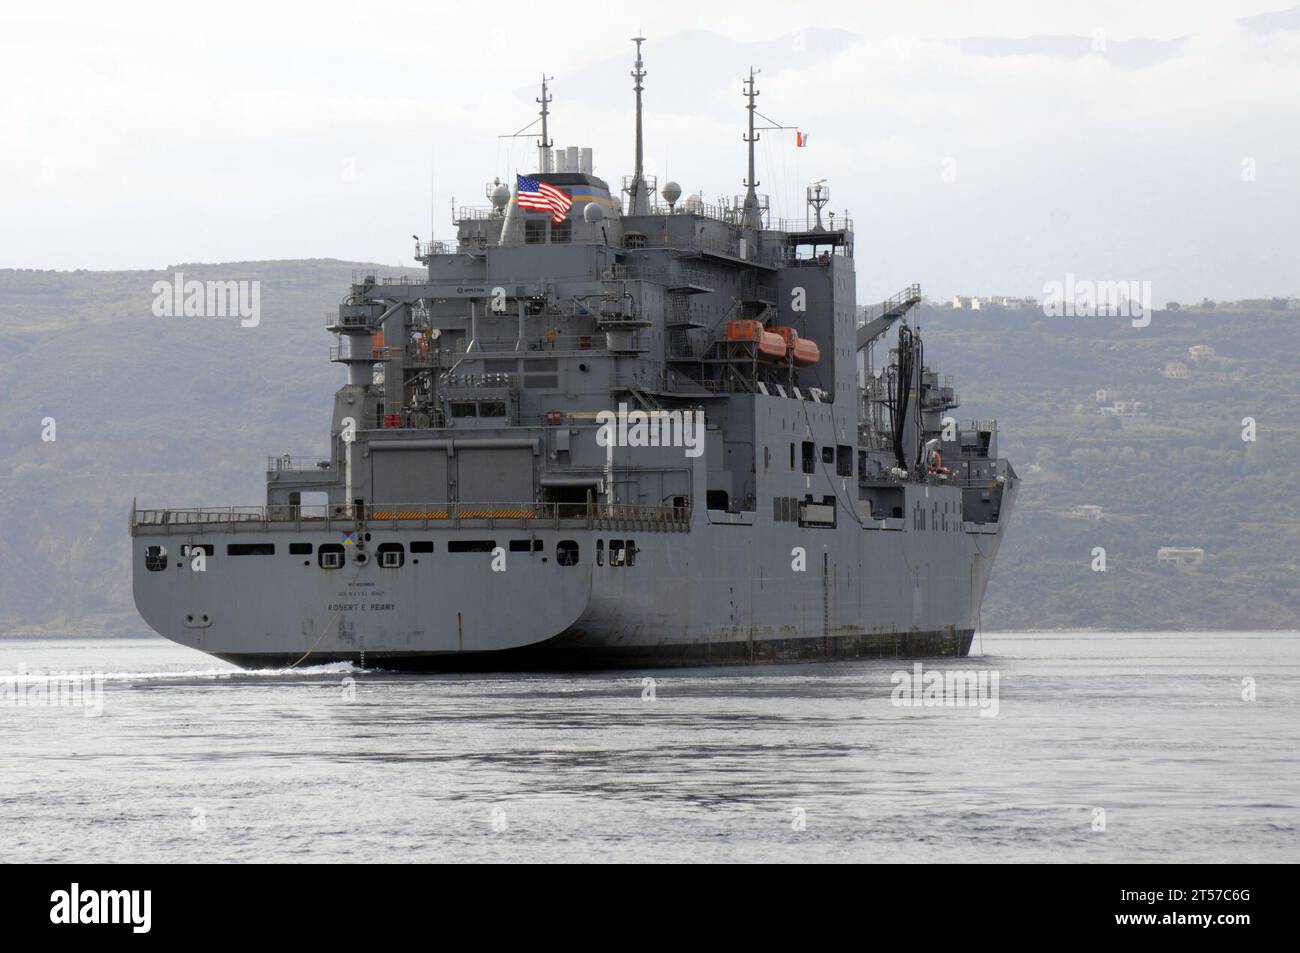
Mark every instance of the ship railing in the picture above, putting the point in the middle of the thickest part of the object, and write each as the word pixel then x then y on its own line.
pixel 905 298
pixel 635 273
pixel 476 213
pixel 562 342
pixel 339 353
pixel 803 226
pixel 294 461
pixel 973 483
pixel 335 320
pixel 425 515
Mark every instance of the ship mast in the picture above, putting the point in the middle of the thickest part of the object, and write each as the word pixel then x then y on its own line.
pixel 544 144
pixel 751 216
pixel 640 199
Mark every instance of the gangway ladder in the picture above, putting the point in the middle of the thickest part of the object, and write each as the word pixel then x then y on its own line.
pixel 878 318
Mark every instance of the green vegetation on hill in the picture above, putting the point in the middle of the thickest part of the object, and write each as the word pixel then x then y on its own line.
pixel 184 411
pixel 1177 474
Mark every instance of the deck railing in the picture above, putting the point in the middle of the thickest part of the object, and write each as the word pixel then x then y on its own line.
pixel 429 515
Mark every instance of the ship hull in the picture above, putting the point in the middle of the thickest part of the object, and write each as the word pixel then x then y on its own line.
pixel 870 589
pixel 557 657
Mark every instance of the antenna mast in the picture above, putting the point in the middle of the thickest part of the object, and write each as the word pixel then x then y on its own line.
pixel 544 144
pixel 751 216
pixel 640 200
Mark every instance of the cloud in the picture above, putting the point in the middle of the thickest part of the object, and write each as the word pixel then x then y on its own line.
pixel 151 139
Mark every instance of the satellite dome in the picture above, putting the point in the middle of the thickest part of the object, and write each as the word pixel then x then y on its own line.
pixel 671 192
pixel 593 213
pixel 693 202
pixel 500 196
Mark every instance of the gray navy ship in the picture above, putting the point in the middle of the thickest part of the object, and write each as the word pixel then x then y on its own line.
pixel 607 427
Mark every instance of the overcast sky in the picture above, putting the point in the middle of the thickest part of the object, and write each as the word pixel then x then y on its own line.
pixel 980 148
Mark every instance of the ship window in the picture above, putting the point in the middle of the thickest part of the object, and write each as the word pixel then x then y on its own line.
pixel 716 499
pixel 600 552
pixel 844 460
pixel 562 232
pixel 828 454
pixel 492 408
pixel 330 556
pixel 300 549
pixel 566 552
pixel 421 545
pixel 792 457
pixel 471 545
pixel 250 549
pixel 629 553
pixel 155 558
pixel 525 545
pixel 809 457
pixel 464 408
pixel 391 555
pixel 616 552
pixel 534 232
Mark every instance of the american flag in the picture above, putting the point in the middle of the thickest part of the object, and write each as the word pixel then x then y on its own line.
pixel 533 193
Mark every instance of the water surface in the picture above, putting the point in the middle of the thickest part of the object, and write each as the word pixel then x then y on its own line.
pixel 193 760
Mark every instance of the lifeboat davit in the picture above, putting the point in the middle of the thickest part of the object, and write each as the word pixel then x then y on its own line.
pixel 771 346
pixel 802 351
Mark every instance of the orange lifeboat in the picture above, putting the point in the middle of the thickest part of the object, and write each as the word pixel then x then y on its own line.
pixel 771 347
pixel 744 330
pixel 806 352
pixel 802 350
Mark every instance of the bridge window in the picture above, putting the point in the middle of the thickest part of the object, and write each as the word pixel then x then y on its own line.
pixel 534 231
pixel 155 558
pixel 464 408
pixel 562 232
pixel 828 454
pixel 566 552
pixel 492 408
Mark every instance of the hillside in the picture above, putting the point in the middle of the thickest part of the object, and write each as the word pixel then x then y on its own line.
pixel 185 411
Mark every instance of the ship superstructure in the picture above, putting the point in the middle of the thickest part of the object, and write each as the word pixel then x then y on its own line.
pixel 628 428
